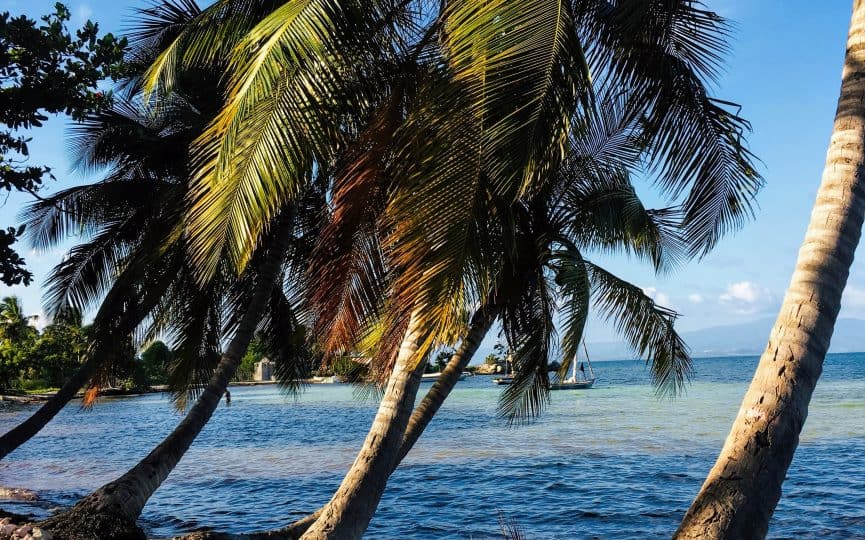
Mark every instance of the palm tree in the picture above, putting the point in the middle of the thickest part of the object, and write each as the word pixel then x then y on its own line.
pixel 15 332
pixel 593 206
pixel 112 511
pixel 14 325
pixel 473 82
pixel 129 217
pixel 192 310
pixel 742 489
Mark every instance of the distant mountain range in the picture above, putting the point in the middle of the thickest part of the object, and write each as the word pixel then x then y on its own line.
pixel 740 339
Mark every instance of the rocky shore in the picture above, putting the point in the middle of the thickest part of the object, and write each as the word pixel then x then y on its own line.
pixel 18 527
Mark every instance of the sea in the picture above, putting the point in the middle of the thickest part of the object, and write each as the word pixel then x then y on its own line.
pixel 615 461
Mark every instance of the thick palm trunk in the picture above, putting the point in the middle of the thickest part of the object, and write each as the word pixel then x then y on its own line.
pixel 742 489
pixel 108 323
pixel 480 324
pixel 22 433
pixel 420 418
pixel 111 511
pixel 348 513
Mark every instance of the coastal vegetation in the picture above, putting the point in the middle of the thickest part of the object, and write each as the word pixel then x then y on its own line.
pixel 367 187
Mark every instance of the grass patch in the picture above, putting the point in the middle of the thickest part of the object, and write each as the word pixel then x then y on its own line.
pixel 43 390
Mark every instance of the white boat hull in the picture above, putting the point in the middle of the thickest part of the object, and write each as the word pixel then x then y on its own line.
pixel 433 377
pixel 573 385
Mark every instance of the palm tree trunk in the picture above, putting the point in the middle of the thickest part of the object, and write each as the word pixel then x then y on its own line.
pixel 479 325
pixel 22 433
pixel 110 323
pixel 349 512
pixel 744 486
pixel 111 511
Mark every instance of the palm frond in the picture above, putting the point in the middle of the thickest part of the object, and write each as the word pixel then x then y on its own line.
pixel 529 329
pixel 605 214
pixel 437 246
pixel 132 141
pixel 133 296
pixel 347 268
pixel 195 334
pixel 647 327
pixel 87 209
pixel 524 72
pixel 572 279
pixel 179 43
pixel 281 115
pixel 662 53
pixel 86 272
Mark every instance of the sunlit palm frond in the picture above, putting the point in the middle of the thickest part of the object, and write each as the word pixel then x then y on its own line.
pixel 524 73
pixel 177 42
pixel 290 82
pixel 437 245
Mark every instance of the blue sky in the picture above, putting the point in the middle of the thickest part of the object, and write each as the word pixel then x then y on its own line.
pixel 784 70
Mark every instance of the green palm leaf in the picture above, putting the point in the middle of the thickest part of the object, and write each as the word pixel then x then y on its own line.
pixel 646 326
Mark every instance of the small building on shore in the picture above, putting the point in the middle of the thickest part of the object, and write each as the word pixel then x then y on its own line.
pixel 263 370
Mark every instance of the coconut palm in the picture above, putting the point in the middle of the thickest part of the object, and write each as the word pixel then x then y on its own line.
pixel 15 332
pixel 487 96
pixel 192 311
pixel 14 325
pixel 742 489
pixel 593 207
pixel 130 217
pixel 112 510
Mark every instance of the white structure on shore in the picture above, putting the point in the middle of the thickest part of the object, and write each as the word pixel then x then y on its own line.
pixel 263 370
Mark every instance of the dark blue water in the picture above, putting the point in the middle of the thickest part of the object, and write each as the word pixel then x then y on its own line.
pixel 611 462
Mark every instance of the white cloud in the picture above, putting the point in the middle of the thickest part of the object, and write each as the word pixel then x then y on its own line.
pixel 82 13
pixel 695 298
pixel 39 321
pixel 854 297
pixel 746 297
pixel 660 298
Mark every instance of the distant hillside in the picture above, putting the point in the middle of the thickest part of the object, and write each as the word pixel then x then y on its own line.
pixel 741 339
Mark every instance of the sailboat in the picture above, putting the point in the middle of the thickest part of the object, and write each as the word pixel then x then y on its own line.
pixel 508 378
pixel 573 383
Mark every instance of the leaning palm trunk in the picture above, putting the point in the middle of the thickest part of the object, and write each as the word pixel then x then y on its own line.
pixel 421 416
pixel 120 324
pixel 24 431
pixel 111 511
pixel 744 486
pixel 480 324
pixel 349 512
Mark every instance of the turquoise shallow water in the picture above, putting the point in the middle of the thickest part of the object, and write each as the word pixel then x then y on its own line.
pixel 611 462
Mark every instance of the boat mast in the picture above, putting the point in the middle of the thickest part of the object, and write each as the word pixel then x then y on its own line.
pixel 592 371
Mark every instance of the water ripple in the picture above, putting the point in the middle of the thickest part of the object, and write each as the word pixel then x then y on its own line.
pixel 613 462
